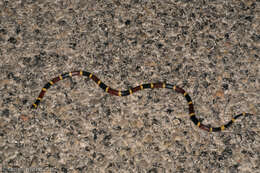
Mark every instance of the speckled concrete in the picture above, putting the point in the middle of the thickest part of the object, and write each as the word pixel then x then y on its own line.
pixel 209 47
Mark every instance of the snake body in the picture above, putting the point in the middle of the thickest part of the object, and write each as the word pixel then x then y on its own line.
pixel 130 91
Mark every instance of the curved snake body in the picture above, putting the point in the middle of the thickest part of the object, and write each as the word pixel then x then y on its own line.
pixel 112 91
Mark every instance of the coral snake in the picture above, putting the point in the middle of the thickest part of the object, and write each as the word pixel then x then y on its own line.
pixel 112 91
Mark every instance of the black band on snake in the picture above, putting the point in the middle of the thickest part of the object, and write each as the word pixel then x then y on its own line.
pixel 112 91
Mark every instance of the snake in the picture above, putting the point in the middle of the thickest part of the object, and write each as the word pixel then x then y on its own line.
pixel 132 90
